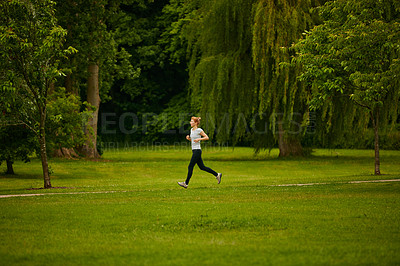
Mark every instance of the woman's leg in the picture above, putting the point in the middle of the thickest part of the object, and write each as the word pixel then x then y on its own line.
pixel 205 168
pixel 195 158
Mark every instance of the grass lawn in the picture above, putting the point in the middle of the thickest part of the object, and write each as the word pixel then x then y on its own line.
pixel 249 219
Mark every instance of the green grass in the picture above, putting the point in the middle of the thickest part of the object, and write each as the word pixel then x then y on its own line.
pixel 246 220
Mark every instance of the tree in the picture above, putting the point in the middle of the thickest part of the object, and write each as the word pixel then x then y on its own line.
pixel 237 51
pixel 31 46
pixel 17 142
pixel 96 30
pixel 353 58
pixel 65 122
pixel 221 77
pixel 281 96
pixel 86 32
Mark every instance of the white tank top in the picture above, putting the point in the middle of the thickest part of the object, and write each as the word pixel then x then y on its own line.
pixel 195 134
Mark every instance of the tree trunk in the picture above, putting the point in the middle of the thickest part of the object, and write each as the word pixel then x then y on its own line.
pixel 68 153
pixel 52 88
pixel 288 146
pixel 10 169
pixel 93 98
pixel 70 85
pixel 375 122
pixel 43 151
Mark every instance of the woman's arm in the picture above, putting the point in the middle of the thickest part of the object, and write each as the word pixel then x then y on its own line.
pixel 204 137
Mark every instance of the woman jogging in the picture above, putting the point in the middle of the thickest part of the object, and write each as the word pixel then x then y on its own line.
pixel 197 135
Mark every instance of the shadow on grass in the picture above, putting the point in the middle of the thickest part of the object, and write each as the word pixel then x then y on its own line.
pixel 51 188
pixel 21 176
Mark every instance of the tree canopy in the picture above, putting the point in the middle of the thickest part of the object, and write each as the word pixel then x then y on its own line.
pixel 31 48
pixel 352 63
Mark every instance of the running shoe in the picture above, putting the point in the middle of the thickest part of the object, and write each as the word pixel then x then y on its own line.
pixel 218 177
pixel 182 184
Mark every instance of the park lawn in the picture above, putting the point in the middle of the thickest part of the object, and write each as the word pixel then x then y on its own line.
pixel 147 219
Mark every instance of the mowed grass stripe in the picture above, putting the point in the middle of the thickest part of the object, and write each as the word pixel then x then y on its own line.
pixel 282 185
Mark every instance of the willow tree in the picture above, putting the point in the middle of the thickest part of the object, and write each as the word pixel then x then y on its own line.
pixel 282 99
pixel 352 61
pixel 222 80
pixel 236 75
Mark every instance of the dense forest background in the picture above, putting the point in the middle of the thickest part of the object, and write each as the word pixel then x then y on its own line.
pixel 133 72
pixel 204 58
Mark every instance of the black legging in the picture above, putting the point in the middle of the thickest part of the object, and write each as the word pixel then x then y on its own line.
pixel 196 158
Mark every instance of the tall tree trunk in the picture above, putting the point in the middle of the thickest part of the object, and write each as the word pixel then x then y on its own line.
pixel 70 85
pixel 93 98
pixel 52 88
pixel 288 146
pixel 10 169
pixel 43 151
pixel 281 142
pixel 375 122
